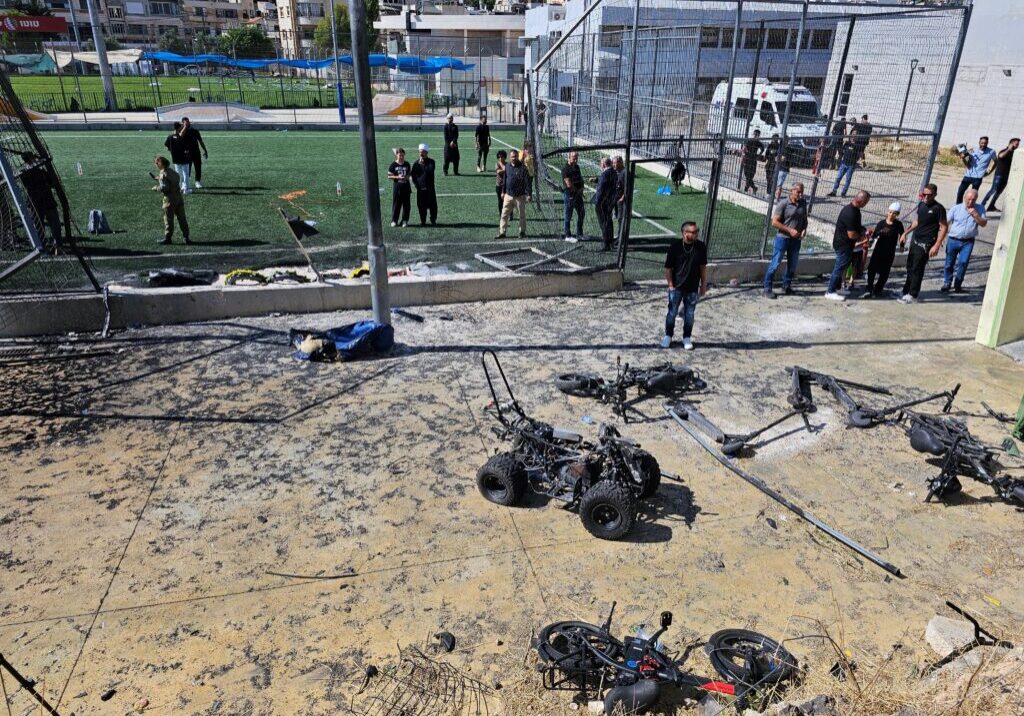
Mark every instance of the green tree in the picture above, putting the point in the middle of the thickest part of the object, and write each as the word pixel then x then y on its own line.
pixel 322 34
pixel 202 44
pixel 170 42
pixel 248 42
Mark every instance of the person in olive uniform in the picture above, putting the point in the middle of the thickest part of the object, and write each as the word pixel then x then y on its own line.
pixel 168 183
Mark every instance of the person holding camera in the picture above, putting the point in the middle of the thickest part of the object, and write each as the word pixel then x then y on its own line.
pixel 977 163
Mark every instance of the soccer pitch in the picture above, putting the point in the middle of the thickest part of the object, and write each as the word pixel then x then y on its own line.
pixel 235 221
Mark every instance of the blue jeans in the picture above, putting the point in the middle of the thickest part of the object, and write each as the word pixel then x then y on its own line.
pixel 998 184
pixel 958 253
pixel 689 304
pixel 844 257
pixel 573 201
pixel 847 171
pixel 791 248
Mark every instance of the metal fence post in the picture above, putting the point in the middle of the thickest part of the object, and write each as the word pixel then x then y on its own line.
pixel 696 90
pixel 940 121
pixel 627 208
pixel 832 111
pixel 716 176
pixel 753 86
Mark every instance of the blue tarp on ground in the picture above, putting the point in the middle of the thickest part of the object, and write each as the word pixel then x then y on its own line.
pixel 363 339
pixel 410 65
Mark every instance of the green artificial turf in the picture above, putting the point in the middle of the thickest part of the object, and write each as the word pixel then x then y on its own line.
pixel 235 221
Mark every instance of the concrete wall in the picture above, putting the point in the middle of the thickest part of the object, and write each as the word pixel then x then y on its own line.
pixel 1002 313
pixel 986 102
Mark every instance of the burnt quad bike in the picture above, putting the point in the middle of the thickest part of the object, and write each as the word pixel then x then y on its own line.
pixel 663 379
pixel 582 657
pixel 603 481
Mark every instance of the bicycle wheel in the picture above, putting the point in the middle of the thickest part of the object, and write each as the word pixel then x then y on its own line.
pixel 748 658
pixel 584 385
pixel 578 648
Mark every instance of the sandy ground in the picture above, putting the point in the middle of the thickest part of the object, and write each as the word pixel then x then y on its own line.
pixel 150 493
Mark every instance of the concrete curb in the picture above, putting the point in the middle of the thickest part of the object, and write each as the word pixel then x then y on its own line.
pixel 43 315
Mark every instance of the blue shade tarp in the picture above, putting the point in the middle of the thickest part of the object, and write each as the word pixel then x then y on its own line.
pixel 407 64
pixel 363 339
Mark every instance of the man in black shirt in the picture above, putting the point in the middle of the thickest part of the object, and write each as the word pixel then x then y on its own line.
pixel 604 202
pixel 849 233
pixel 423 178
pixel 36 181
pixel 752 151
pixel 451 145
pixel 517 193
pixel 619 165
pixel 1004 160
pixel 686 272
pixel 572 192
pixel 180 157
pixel 861 137
pixel 193 141
pixel 929 229
pixel 886 235
pixel 401 196
pixel 482 134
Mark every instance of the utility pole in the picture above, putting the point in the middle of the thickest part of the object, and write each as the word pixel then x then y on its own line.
pixel 337 65
pixel 368 146
pixel 101 56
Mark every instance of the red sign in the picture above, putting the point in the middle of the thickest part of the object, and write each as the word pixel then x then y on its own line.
pixel 33 24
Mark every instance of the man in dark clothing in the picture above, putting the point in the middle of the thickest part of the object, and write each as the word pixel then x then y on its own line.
pixel 517 192
pixel 887 234
pixel 193 141
pixel 861 137
pixel 451 145
pixel 180 157
pixel 929 229
pixel 847 165
pixel 36 181
pixel 849 233
pixel 619 165
pixel 572 192
pixel 604 202
pixel 482 135
pixel 401 196
pixel 835 143
pixel 686 271
pixel 789 217
pixel 752 150
pixel 423 178
pixel 1004 160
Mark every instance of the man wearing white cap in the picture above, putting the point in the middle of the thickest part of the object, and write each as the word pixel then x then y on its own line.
pixel 887 235
pixel 423 178
pixel 451 145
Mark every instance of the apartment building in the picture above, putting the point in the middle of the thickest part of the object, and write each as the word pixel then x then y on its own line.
pixel 297 21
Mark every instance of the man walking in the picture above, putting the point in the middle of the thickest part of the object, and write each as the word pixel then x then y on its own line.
pixel 861 137
pixel 789 217
pixel 686 271
pixel 929 229
pixel 168 183
pixel 604 202
pixel 482 136
pixel 179 156
pixel 849 233
pixel 193 141
pixel 977 163
pixel 451 145
pixel 964 220
pixel 847 165
pixel 401 190
pixel 1004 160
pixel 517 193
pixel 752 151
pixel 423 177
pixel 572 192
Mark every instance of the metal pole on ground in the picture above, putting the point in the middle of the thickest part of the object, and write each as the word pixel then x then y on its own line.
pixel 101 56
pixel 339 94
pixel 940 121
pixel 368 145
pixel 832 111
pixel 906 96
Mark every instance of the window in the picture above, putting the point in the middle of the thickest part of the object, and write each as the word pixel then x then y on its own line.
pixel 163 8
pixel 742 108
pixel 607 83
pixel 115 13
pixel 231 14
pixel 709 36
pixel 309 9
pixel 777 38
pixel 768 114
pixel 801 113
pixel 844 95
pixel 821 40
pixel 565 95
pixel 135 8
pixel 751 39
pixel 143 30
pixel 727 33
pixel 611 36
pixel 199 11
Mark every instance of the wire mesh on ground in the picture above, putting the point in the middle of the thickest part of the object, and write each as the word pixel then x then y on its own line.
pixel 751 98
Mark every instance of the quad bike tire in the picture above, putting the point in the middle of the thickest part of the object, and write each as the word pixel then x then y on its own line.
pixel 502 480
pixel 632 698
pixel 583 385
pixel 651 471
pixel 727 648
pixel 663 383
pixel 608 510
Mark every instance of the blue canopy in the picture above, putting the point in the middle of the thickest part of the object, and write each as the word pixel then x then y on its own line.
pixel 410 65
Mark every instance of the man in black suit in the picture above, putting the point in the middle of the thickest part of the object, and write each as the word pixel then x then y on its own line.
pixel 604 201
pixel 451 145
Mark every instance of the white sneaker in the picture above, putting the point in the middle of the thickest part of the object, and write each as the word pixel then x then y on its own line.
pixel 835 296
pixel 394 224
pixel 666 342
pixel 198 185
pixel 867 294
pixel 405 224
pixel 687 344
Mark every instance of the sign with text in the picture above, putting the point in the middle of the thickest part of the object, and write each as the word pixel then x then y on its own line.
pixel 31 23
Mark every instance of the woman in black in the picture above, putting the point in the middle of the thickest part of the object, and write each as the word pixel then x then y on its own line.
pixel 401 198
pixel 499 179
pixel 887 234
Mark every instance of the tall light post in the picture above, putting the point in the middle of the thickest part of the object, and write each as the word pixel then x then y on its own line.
pixel 101 56
pixel 337 65
pixel 910 82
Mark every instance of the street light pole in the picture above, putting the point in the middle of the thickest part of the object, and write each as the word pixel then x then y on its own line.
pixel 337 65
pixel 903 112
pixel 368 146
pixel 101 56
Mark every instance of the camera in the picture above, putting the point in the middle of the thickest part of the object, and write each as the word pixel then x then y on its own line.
pixel 961 149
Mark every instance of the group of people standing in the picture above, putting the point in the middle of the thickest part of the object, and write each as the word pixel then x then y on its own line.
pixel 776 164
pixel 187 151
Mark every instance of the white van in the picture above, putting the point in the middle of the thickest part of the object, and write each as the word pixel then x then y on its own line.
pixel 767 111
